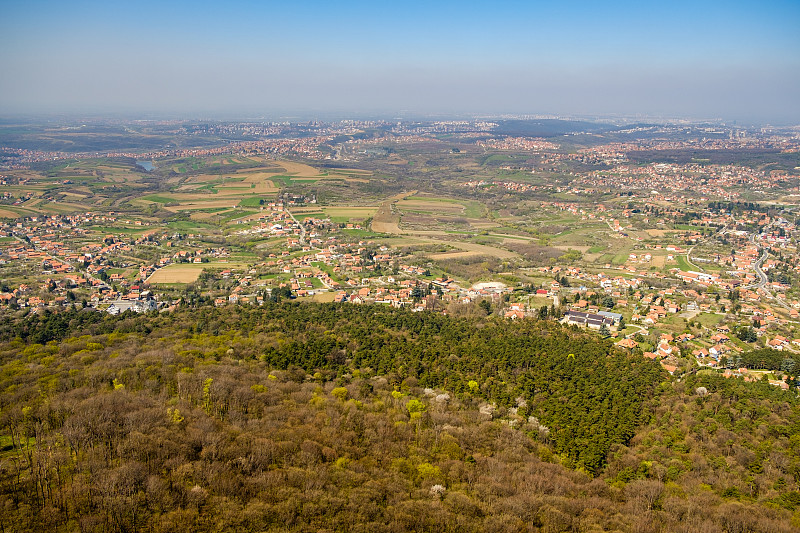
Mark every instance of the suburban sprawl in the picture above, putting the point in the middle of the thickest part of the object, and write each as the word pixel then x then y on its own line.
pixel 679 242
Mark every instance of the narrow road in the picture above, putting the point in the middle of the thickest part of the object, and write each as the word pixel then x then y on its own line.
pixel 302 228
pixel 760 273
pixel 689 260
pixel 762 276
pixel 721 231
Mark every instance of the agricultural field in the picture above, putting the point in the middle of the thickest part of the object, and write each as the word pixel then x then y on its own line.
pixel 176 274
pixel 349 214
pixel 12 213
pixel 189 273
pixel 226 193
pixel 218 183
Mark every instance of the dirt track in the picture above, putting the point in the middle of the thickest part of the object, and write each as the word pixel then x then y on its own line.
pixel 385 220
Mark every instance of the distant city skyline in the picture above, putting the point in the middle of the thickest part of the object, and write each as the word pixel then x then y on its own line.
pixel 727 60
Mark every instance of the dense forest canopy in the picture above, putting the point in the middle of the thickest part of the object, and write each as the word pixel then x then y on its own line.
pixel 342 417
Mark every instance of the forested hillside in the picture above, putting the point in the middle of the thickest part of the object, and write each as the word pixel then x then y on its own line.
pixel 345 418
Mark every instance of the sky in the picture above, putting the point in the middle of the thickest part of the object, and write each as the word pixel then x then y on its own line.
pixel 733 60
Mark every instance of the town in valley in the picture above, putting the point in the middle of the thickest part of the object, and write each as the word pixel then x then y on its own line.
pixel 677 240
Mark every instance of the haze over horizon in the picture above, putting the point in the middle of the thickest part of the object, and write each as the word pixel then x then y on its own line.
pixel 730 60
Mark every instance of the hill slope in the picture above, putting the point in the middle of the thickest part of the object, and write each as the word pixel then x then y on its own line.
pixel 340 417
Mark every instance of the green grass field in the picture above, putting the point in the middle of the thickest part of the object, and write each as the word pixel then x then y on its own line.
pixel 158 199
pixel 189 225
pixel 121 229
pixel 236 213
pixel 253 201
pixel 433 199
pixel 474 209
pixel 315 214
pixel 288 181
pixel 709 320
pixel 619 259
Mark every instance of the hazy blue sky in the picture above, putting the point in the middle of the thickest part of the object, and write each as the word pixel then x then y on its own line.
pixel 735 59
